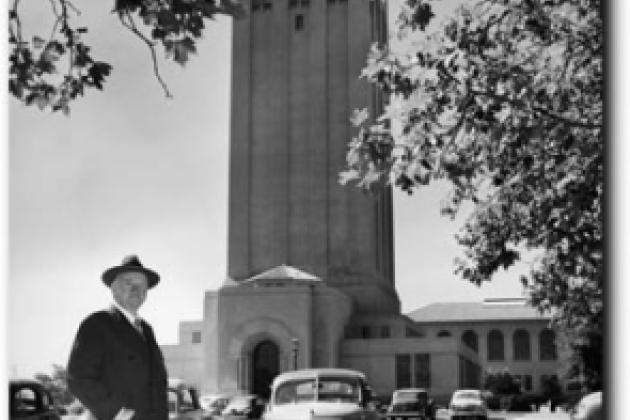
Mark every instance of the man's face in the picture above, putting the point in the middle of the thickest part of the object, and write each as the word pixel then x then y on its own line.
pixel 130 290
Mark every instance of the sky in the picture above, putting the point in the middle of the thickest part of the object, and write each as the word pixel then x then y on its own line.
pixel 133 172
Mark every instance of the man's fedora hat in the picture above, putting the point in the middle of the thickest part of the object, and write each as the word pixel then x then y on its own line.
pixel 130 263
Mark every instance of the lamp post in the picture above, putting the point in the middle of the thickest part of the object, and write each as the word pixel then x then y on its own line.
pixel 296 344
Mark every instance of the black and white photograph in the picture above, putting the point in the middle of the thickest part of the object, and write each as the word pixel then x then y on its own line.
pixel 310 209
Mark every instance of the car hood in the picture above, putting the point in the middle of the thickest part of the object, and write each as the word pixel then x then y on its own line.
pixel 466 401
pixel 315 410
pixel 406 406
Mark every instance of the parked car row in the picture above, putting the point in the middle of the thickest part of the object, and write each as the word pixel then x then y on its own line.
pixel 185 404
pixel 414 403
pixel 328 393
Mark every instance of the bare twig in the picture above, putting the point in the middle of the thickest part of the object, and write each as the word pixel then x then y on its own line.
pixel 18 24
pixel 72 6
pixel 56 24
pixel 497 19
pixel 131 25
pixel 54 8
pixel 68 33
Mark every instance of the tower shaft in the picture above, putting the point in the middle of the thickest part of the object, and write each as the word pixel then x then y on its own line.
pixel 295 83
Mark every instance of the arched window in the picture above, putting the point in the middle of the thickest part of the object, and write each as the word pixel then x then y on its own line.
pixel 444 333
pixel 520 341
pixel 495 345
pixel 469 338
pixel 547 344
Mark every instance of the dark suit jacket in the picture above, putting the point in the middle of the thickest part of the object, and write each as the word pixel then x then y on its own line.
pixel 111 366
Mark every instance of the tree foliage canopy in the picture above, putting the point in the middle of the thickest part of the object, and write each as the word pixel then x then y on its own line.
pixel 503 99
pixel 501 382
pixel 53 71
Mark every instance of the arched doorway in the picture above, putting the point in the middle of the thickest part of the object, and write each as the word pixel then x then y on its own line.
pixel 265 367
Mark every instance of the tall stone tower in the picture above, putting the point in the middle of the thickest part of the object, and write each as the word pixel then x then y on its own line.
pixel 294 85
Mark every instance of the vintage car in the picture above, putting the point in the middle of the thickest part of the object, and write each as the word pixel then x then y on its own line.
pixel 246 406
pixel 183 402
pixel 326 393
pixel 589 407
pixel 411 403
pixel 29 400
pixel 214 404
pixel 468 404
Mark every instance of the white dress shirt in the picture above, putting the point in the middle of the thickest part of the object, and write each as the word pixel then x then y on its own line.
pixel 130 317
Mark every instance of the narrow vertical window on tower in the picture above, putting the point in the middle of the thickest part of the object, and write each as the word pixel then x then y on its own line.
pixel 293 4
pixel 266 4
pixel 299 22
pixel 305 3
pixel 255 5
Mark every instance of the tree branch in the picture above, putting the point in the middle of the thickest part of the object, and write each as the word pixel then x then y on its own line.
pixel 53 6
pixel 72 6
pixel 546 112
pixel 131 25
pixel 18 24
pixel 68 34
pixel 56 24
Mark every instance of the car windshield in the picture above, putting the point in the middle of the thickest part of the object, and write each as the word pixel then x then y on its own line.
pixel 25 400
pixel 240 401
pixel 334 389
pixel 219 402
pixel 409 396
pixel 467 395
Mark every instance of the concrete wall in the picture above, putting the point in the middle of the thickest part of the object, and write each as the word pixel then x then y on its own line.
pixel 210 339
pixel 185 361
pixel 377 358
pixel 250 314
pixel 331 313
pixel 187 329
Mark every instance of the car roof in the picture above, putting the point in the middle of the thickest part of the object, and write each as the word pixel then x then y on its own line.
pixel 237 397
pixel 462 391
pixel 411 390
pixel 215 396
pixel 592 397
pixel 25 382
pixel 312 373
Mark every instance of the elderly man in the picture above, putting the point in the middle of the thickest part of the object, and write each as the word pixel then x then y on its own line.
pixel 116 368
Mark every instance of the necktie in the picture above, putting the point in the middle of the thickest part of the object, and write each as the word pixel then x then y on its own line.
pixel 138 326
